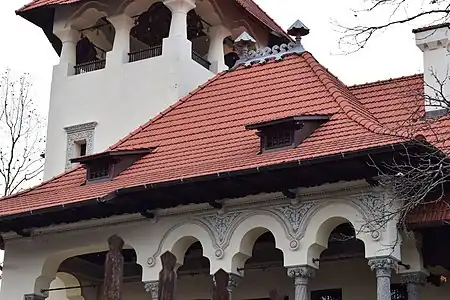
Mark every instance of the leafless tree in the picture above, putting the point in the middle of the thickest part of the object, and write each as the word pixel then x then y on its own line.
pixel 387 14
pixel 21 134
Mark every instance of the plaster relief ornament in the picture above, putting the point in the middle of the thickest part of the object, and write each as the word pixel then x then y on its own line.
pixel 294 215
pixel 220 225
pixel 375 207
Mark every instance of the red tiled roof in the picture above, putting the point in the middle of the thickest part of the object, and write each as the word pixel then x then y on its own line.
pixel 250 6
pixel 399 103
pixel 204 133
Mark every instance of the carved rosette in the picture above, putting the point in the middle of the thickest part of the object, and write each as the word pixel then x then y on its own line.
pixel 383 266
pixel 152 287
pixel 301 274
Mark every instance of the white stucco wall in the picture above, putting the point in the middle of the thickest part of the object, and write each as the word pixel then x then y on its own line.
pixel 119 99
pixel 300 228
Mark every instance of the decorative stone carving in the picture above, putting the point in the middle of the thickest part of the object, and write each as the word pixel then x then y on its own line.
pixel 233 282
pixel 220 225
pixel 277 52
pixel 383 266
pixel 419 278
pixel 301 275
pixel 218 253
pixel 151 261
pixel 301 272
pixel 294 244
pixel 152 287
pixel 376 210
pixel 34 297
pixel 294 214
pixel 77 133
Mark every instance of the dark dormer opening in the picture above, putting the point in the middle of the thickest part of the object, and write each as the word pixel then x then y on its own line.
pixel 287 132
pixel 107 165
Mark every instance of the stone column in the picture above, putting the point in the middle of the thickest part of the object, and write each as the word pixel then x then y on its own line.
pixel 414 283
pixel 383 267
pixel 113 281
pixel 224 285
pixel 215 53
pixel 302 275
pixel 152 287
pixel 179 9
pixel 167 277
pixel 69 39
pixel 121 47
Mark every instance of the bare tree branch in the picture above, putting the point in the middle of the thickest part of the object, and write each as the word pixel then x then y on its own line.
pixel 21 134
pixel 389 13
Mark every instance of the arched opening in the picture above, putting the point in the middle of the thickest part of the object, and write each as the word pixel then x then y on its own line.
pixel 344 253
pixel 194 277
pixel 150 28
pixel 88 271
pixel 93 45
pixel 264 273
pixel 153 25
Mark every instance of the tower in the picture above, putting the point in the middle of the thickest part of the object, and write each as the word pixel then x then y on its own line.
pixel 123 62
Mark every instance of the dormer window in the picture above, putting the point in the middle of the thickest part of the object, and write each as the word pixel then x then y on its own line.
pixel 107 165
pixel 287 132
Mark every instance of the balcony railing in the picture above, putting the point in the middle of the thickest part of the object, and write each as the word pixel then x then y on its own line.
pixel 90 66
pixel 145 53
pixel 200 60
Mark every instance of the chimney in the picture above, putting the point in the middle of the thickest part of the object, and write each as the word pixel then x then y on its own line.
pixel 434 43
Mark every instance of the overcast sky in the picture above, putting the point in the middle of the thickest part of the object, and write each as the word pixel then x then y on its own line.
pixel 24 47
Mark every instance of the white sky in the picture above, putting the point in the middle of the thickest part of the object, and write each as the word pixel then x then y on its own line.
pixel 24 47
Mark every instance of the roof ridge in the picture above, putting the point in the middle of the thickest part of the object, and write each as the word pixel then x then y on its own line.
pixel 164 112
pixel 364 117
pixel 384 81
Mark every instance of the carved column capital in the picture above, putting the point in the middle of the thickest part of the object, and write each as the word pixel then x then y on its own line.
pixel 419 278
pixel 34 297
pixel 301 274
pixel 233 282
pixel 383 266
pixel 152 287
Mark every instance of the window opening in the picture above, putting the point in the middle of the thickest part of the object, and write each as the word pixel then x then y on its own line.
pixel 99 171
pixel 278 138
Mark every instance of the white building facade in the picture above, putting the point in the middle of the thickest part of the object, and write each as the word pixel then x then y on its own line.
pixel 300 231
